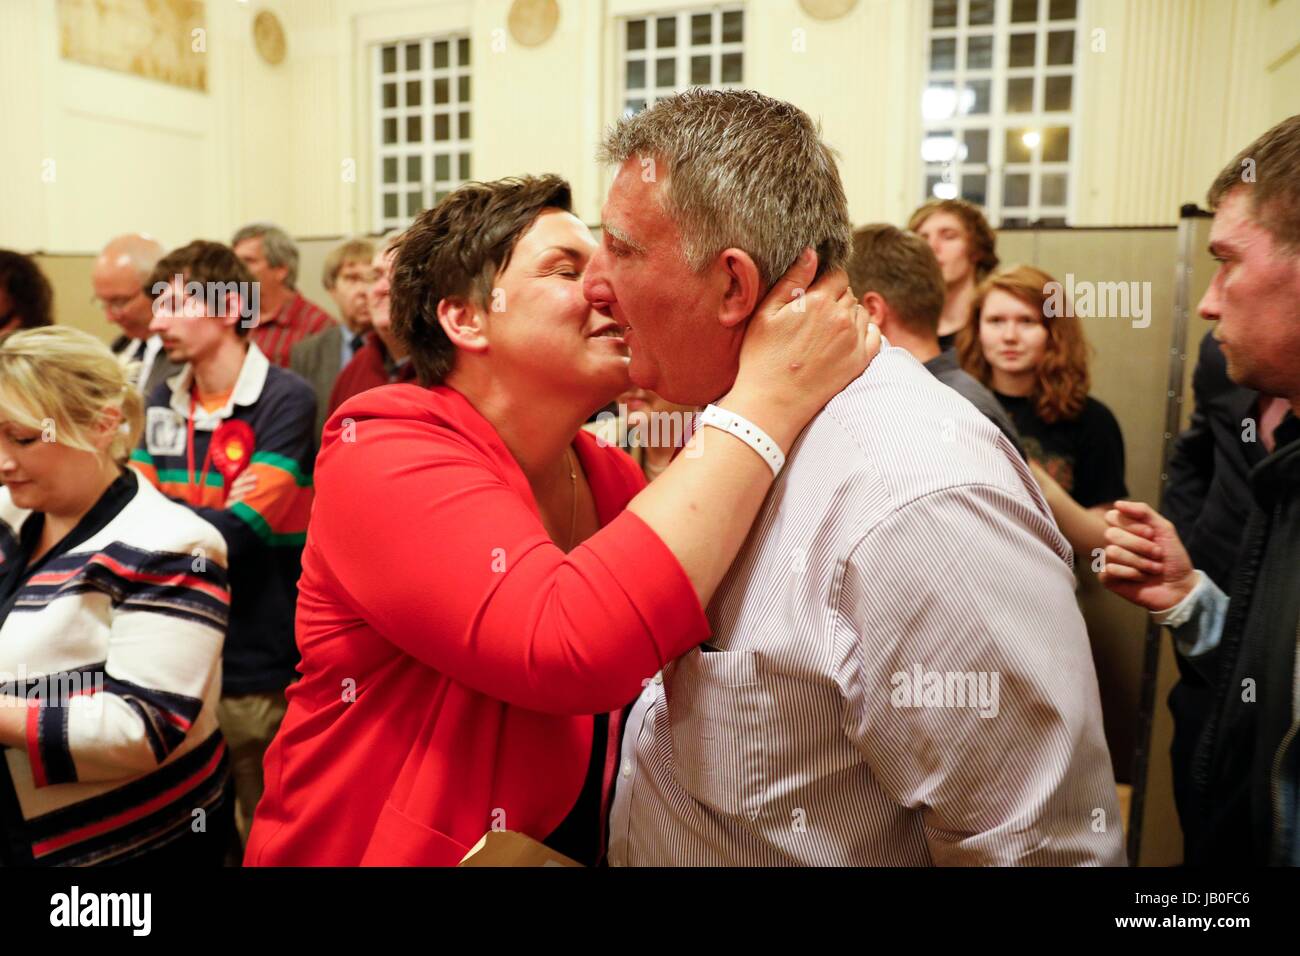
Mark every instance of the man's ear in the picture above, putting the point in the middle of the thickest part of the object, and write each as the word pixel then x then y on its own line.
pixel 232 310
pixel 465 325
pixel 877 308
pixel 743 289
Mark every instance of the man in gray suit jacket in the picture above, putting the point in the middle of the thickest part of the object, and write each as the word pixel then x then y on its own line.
pixel 319 358
pixel 118 276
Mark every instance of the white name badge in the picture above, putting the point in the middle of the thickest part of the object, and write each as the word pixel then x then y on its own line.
pixel 164 431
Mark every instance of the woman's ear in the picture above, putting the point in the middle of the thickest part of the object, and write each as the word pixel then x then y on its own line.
pixel 742 293
pixel 107 427
pixel 464 325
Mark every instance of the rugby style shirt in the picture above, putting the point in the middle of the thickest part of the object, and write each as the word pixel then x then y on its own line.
pixel 265 531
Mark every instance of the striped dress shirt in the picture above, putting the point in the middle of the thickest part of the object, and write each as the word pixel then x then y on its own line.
pixel 898 675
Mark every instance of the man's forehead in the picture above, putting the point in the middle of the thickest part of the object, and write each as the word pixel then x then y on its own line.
pixel 632 210
pixel 1233 224
pixel 942 220
pixel 114 274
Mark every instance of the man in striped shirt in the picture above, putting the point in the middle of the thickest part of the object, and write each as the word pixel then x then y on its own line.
pixel 899 674
pixel 285 317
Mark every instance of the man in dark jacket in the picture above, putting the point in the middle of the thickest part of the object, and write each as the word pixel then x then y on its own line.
pixel 118 278
pixel 1207 497
pixel 347 276
pixel 1244 787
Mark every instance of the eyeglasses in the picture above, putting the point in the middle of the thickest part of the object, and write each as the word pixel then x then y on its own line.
pixel 117 303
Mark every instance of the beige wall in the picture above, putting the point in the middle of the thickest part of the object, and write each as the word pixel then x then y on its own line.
pixel 1174 89
pixel 1178 90
pixel 132 154
pixel 1179 87
pixel 1281 58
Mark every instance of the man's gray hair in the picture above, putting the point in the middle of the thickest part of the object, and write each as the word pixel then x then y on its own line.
pixel 740 169
pixel 277 247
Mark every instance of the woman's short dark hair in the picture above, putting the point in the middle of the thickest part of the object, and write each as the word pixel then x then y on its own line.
pixel 455 251
pixel 30 293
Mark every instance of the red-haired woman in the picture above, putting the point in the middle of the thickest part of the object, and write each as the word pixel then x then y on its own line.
pixel 1031 351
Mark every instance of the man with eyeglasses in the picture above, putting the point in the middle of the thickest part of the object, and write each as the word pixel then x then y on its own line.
pixel 118 277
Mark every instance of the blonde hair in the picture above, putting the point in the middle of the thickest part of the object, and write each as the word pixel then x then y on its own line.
pixel 354 250
pixel 65 377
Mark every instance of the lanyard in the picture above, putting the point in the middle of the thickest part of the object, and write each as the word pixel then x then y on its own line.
pixel 196 499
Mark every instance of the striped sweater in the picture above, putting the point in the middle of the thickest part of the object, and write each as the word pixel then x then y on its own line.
pixel 113 644
pixel 265 531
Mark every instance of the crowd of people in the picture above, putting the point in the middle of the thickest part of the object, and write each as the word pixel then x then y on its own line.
pixel 290 590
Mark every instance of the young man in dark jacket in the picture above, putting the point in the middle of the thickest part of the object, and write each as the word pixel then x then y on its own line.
pixel 1245 772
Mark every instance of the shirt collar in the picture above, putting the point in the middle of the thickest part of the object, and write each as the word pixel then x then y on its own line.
pixel 247 390
pixel 943 362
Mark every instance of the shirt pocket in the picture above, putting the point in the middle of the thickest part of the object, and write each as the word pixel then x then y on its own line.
pixel 715 707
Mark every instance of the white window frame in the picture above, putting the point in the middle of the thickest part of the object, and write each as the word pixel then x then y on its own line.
pixel 683 53
pixel 997 120
pixel 458 149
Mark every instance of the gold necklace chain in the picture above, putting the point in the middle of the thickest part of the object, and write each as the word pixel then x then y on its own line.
pixel 573 483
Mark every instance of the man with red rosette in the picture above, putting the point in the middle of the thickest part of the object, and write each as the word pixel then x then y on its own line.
pixel 231 436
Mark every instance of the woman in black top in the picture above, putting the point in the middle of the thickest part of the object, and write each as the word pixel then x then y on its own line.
pixel 1025 345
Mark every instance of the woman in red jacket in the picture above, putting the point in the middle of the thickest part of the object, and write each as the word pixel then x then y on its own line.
pixel 480 576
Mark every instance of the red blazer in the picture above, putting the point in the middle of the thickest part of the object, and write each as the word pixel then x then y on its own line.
pixel 452 654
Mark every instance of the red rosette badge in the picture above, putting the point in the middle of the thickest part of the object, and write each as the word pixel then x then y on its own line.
pixel 232 448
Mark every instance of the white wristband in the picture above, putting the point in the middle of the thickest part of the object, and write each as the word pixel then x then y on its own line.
pixel 748 432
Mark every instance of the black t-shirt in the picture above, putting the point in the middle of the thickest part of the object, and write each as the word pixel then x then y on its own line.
pixel 1085 455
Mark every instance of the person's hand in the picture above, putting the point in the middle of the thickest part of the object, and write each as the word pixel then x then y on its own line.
pixel 1146 562
pixel 1051 488
pixel 802 347
pixel 244 486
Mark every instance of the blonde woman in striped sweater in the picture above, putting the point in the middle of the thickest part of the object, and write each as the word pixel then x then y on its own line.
pixel 113 606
